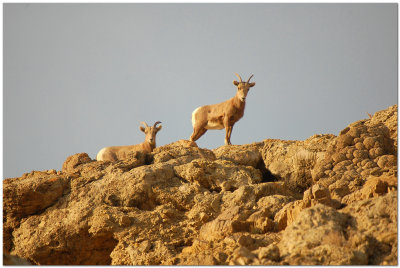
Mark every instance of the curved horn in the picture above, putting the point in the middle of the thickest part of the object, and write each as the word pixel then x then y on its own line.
pixel 250 78
pixel 240 79
pixel 155 124
pixel 144 123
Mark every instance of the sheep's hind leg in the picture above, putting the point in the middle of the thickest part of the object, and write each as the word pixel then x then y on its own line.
pixel 228 135
pixel 197 133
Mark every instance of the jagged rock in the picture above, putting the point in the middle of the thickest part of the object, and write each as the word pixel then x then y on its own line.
pixel 29 195
pixel 364 148
pixel 246 155
pixel 181 152
pixel 325 200
pixel 205 209
pixel 32 193
pixel 317 194
pixel 376 219
pixel 387 161
pixel 271 204
pixel 219 228
pixel 242 256
pixel 373 187
pixel 72 162
pixel 260 222
pixel 293 161
pixel 389 118
pixel 271 252
pixel 317 237
pixel 364 232
pixel 217 175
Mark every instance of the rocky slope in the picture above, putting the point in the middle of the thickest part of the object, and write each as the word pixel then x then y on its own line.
pixel 329 200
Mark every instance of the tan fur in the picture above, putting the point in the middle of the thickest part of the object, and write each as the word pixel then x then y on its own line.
pixel 221 115
pixel 114 153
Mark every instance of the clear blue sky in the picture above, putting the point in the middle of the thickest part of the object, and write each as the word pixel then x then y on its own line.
pixel 79 77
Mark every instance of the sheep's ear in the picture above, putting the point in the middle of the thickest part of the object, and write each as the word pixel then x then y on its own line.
pixel 159 128
pixel 142 129
pixel 236 83
pixel 252 84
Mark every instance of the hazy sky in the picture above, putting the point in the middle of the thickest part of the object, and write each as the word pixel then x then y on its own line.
pixel 79 77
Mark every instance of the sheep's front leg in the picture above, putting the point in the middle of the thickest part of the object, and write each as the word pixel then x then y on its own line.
pixel 228 130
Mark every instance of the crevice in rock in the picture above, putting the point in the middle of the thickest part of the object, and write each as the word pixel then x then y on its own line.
pixel 85 249
pixel 378 251
pixel 267 176
pixel 217 189
pixel 112 200
pixel 149 205
pixel 149 159
pixel 180 178
pixel 232 189
pixel 145 205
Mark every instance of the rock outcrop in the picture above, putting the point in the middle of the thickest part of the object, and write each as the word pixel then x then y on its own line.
pixel 327 200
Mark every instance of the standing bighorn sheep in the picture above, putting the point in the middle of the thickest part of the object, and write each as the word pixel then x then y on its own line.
pixel 221 115
pixel 115 153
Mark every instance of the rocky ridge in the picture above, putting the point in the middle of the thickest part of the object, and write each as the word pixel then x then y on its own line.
pixel 327 200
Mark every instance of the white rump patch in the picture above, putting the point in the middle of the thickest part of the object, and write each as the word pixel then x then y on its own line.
pixel 193 116
pixel 100 154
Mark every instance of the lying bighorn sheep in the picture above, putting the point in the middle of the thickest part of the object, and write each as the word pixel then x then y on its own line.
pixel 115 153
pixel 224 114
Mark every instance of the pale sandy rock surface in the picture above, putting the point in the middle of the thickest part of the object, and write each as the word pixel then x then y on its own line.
pixel 327 200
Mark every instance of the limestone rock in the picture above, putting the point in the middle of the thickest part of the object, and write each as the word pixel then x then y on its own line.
pixel 365 148
pixel 373 187
pixel 270 252
pixel 376 219
pixel 217 175
pixel 271 204
pixel 32 193
pixel 317 194
pixel 324 201
pixel 29 195
pixel 317 237
pixel 72 162
pixel 246 155
pixel 181 152
pixel 293 161
pixel 389 118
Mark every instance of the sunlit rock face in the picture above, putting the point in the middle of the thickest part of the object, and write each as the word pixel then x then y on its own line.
pixel 327 200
